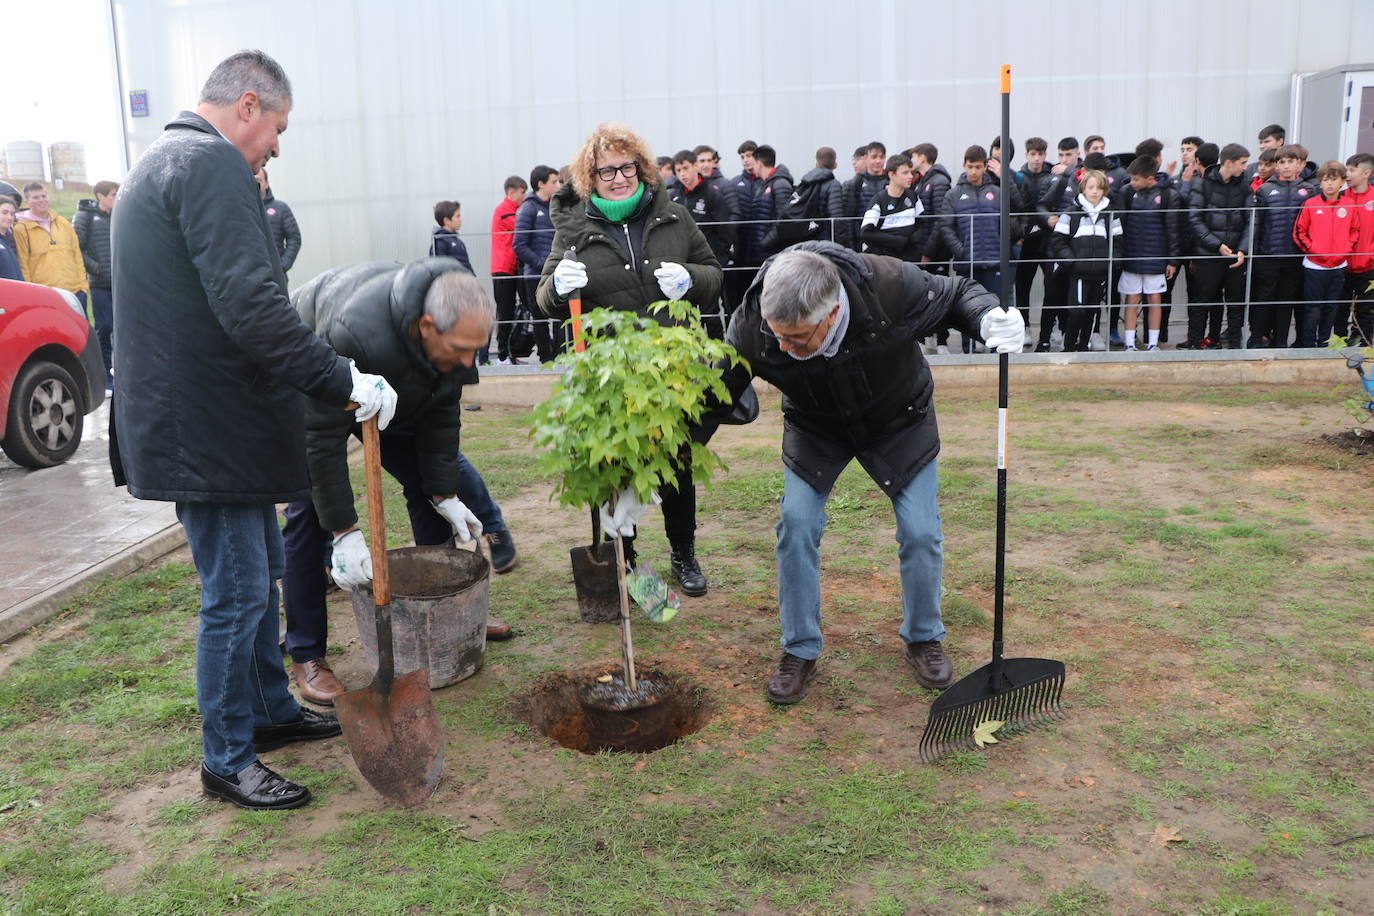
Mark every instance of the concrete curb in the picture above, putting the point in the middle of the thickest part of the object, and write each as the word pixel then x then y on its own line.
pixel 46 605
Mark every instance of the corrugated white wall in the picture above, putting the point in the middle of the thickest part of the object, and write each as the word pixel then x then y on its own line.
pixel 402 103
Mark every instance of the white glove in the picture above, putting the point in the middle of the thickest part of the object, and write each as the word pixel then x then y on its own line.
pixel 568 276
pixel 673 279
pixel 373 396
pixel 1003 330
pixel 351 564
pixel 465 525
pixel 628 511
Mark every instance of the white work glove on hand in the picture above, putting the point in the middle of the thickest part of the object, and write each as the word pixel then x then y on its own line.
pixel 568 276
pixel 351 564
pixel 373 396
pixel 673 279
pixel 465 525
pixel 1003 330
pixel 628 511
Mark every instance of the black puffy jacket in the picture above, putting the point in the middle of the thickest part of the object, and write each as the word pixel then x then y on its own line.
pixel 1033 186
pixel 708 207
pixel 858 194
pixel 368 312
pixel 769 200
pixel 213 360
pixel 931 189
pixel 1277 204
pixel 286 232
pixel 971 215
pixel 92 227
pixel 872 399
pixel 1085 240
pixel 1218 212
pixel 1152 227
pixel 831 202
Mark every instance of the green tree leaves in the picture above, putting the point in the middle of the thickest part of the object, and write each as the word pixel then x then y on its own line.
pixel 625 407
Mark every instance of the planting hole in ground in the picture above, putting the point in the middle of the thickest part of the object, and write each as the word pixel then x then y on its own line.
pixel 565 706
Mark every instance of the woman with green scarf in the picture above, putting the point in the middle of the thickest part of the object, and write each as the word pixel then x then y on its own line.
pixel 623 244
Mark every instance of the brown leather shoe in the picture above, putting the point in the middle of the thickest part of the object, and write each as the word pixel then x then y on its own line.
pixel 497 630
pixel 788 683
pixel 933 668
pixel 317 682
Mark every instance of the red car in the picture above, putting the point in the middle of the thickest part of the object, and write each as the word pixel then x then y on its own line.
pixel 51 374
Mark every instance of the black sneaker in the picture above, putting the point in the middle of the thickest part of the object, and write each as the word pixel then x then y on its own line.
pixel 311 726
pixel 502 548
pixel 933 668
pixel 788 683
pixel 255 787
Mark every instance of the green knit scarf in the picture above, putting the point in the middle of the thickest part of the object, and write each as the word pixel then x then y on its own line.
pixel 618 211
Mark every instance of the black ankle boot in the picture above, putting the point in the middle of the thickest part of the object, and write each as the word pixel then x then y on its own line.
pixel 687 571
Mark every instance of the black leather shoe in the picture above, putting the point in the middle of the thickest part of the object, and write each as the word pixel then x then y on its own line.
pixel 311 726
pixel 688 572
pixel 255 787
pixel 933 668
pixel 788 683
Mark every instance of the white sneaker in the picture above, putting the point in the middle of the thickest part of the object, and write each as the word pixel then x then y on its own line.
pixel 1151 347
pixel 1026 340
pixel 942 350
pixel 1095 342
pixel 508 362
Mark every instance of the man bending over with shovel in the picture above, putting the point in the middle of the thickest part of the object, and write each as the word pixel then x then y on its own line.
pixel 421 326
pixel 839 334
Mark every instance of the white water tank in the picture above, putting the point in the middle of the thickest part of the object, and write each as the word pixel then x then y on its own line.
pixel 67 161
pixel 24 159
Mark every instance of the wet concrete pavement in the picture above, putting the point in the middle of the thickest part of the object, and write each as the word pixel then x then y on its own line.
pixel 60 526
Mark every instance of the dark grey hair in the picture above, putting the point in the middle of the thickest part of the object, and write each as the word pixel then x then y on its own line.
pixel 248 71
pixel 799 287
pixel 455 295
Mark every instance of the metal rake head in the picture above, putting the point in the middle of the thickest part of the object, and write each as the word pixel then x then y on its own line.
pixel 1022 693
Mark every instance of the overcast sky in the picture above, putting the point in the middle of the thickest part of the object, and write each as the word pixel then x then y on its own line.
pixel 73 93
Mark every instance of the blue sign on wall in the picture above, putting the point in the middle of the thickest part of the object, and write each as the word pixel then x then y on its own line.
pixel 138 103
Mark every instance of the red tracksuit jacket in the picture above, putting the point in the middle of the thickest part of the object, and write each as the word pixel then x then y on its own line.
pixel 1362 259
pixel 1327 231
pixel 503 237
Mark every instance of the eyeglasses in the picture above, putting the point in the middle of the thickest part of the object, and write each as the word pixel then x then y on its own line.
pixel 795 340
pixel 608 173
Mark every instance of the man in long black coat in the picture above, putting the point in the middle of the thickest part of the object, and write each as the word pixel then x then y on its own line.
pixel 209 407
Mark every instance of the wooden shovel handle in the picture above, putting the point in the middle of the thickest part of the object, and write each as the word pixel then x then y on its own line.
pixel 376 514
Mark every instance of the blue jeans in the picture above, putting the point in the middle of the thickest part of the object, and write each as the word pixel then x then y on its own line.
pixel 240 681
pixel 102 310
pixel 307 544
pixel 919 549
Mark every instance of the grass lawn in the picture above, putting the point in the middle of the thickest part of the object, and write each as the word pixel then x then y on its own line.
pixel 1201 561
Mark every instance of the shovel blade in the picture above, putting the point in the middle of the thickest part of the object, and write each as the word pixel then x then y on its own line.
pixel 1022 693
pixel 393 734
pixel 598 589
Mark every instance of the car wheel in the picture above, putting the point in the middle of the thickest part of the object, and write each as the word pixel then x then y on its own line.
pixel 46 416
